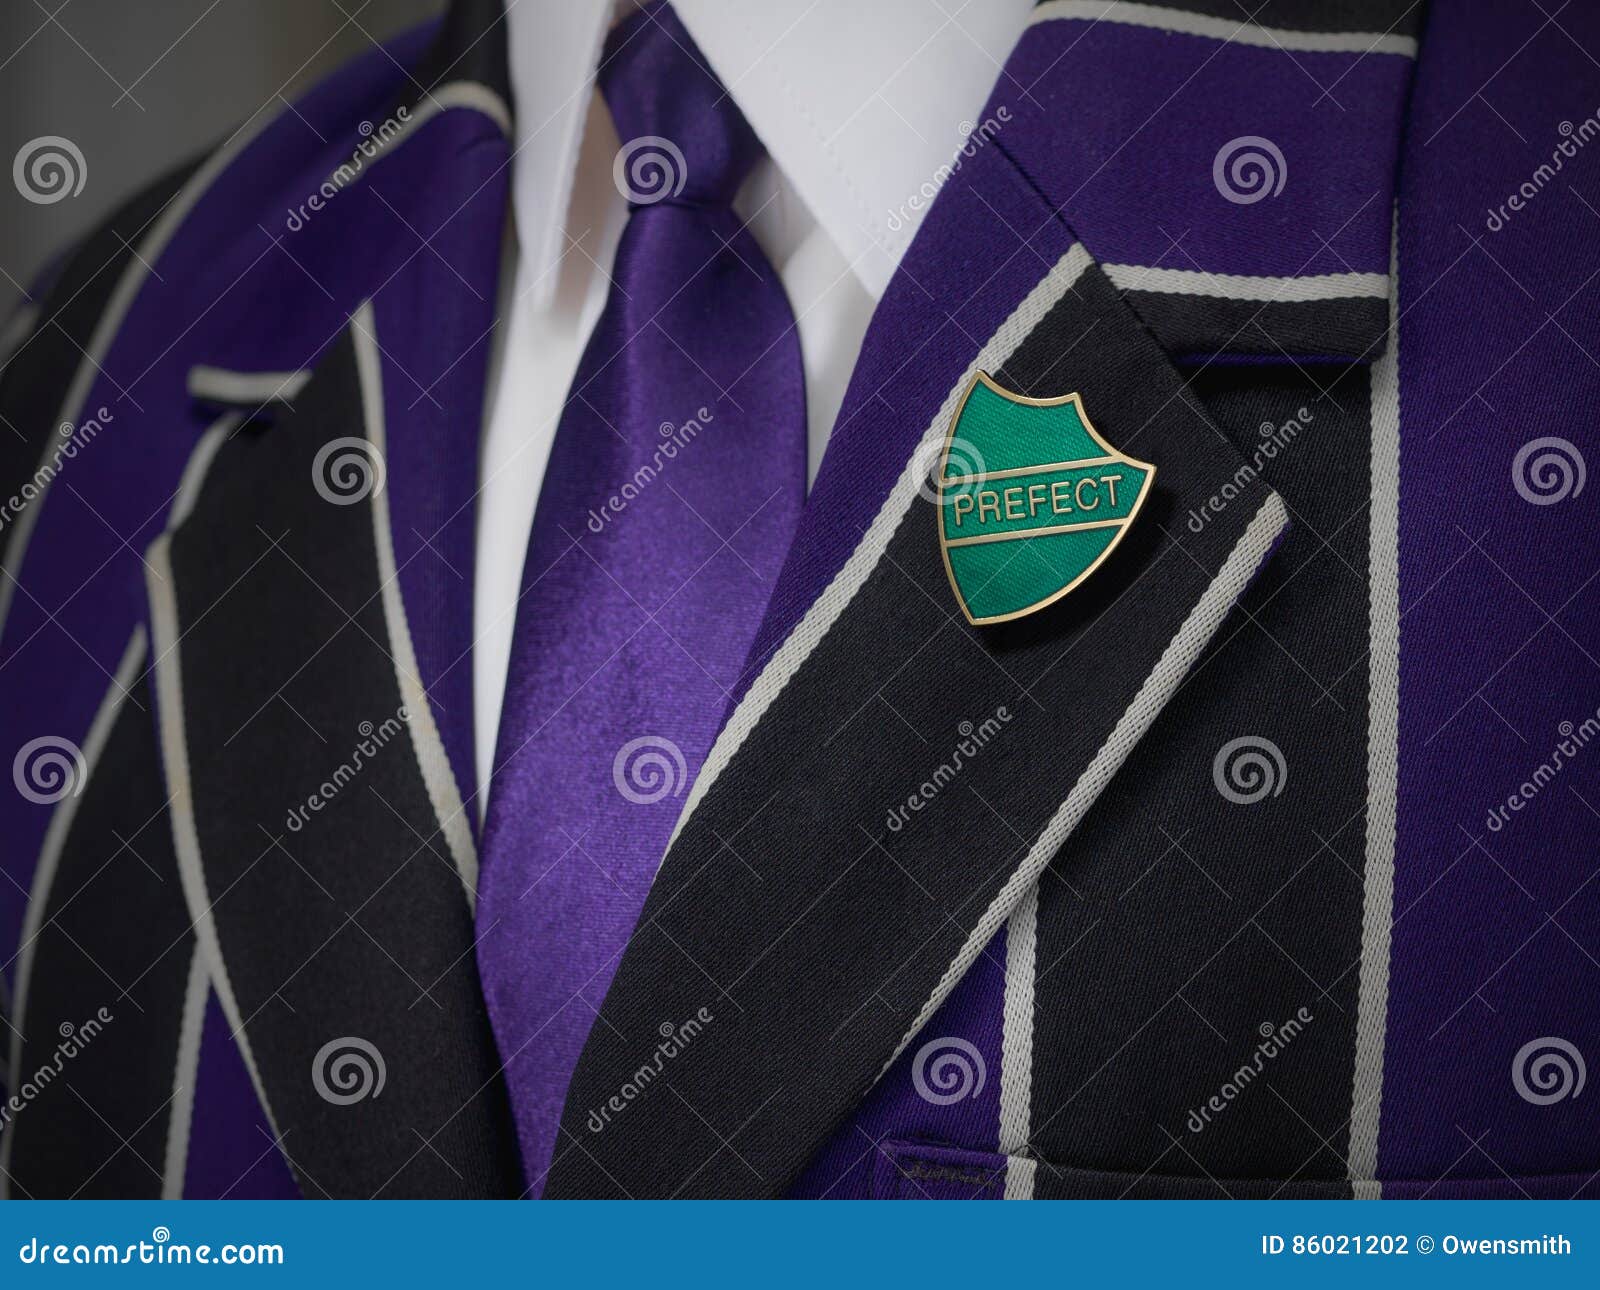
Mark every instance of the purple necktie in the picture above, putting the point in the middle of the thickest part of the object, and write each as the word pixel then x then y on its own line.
pixel 673 489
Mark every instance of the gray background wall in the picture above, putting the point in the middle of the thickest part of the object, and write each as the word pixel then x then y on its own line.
pixel 140 85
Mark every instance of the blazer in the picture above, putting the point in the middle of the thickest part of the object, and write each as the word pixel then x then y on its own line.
pixel 1261 865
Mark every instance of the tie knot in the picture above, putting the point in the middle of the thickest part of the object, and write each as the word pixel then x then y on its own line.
pixel 682 137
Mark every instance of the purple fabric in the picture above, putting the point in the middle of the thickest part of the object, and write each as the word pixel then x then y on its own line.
pixel 81 581
pixel 232 1152
pixel 234 289
pixel 1494 945
pixel 672 491
pixel 945 1088
pixel 1497 924
pixel 1121 126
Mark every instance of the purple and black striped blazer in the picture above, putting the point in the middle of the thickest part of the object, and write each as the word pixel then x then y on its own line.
pixel 1264 865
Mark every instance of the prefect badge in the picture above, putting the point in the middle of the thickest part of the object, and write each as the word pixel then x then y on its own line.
pixel 1031 500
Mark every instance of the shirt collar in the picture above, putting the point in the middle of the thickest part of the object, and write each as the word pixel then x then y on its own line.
pixel 864 126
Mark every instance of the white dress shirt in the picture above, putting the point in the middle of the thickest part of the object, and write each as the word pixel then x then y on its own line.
pixel 859 107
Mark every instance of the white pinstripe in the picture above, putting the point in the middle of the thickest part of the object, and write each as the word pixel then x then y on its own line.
pixel 1231 31
pixel 1020 1174
pixel 1383 755
pixel 1244 286
pixel 185 1073
pixel 1165 677
pixel 443 792
pixel 1016 1047
pixel 1016 1044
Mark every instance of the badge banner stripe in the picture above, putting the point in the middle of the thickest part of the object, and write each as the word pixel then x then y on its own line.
pixel 1019 471
pixel 1036 533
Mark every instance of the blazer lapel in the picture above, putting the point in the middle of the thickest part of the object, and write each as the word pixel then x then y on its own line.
pixel 319 761
pixel 892 782
pixel 809 937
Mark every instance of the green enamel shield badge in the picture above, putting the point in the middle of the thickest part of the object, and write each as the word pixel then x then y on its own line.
pixel 1031 500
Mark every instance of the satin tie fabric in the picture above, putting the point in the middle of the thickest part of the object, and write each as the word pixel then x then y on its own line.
pixel 672 492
